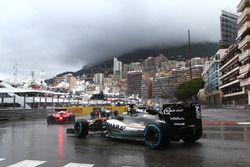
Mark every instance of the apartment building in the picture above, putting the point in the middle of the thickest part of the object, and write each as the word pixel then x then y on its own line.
pixel 117 68
pixel 98 78
pixel 136 66
pixel 146 89
pixel 229 81
pixel 180 76
pixel 164 87
pixel 244 45
pixel 134 83
pixel 210 76
pixel 68 78
pixel 149 62
pixel 159 60
pixel 228 26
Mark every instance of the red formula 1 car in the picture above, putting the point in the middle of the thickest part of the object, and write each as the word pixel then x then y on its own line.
pixel 61 116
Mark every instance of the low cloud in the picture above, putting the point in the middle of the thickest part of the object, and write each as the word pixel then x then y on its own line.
pixel 60 35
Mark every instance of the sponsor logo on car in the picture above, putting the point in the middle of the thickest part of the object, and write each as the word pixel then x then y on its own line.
pixel 198 111
pixel 115 126
pixel 168 111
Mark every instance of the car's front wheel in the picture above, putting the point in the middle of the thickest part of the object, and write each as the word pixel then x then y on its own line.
pixel 81 128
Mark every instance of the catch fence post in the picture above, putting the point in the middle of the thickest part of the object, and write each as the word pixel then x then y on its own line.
pixel 24 101
pixel 14 101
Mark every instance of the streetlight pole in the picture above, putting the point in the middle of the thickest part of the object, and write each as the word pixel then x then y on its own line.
pixel 189 54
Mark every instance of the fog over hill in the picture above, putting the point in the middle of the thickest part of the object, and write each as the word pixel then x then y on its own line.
pixel 52 36
pixel 138 55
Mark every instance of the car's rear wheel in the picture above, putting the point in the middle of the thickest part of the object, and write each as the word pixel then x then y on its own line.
pixel 156 135
pixel 194 137
pixel 81 128
pixel 49 119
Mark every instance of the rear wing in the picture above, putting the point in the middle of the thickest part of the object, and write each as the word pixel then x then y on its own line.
pixel 179 114
pixel 182 114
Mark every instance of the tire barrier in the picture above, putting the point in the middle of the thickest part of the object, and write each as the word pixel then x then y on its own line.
pixel 22 114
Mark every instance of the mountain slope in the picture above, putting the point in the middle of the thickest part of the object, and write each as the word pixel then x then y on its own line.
pixel 173 53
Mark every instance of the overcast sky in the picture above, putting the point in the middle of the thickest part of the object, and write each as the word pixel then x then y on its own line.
pixel 54 36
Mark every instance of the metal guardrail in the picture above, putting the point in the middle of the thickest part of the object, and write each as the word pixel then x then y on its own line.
pixel 22 114
pixel 36 102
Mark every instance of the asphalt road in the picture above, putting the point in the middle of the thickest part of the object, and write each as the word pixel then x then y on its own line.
pixel 30 143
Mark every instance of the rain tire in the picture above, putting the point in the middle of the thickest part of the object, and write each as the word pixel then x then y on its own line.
pixel 156 135
pixel 81 128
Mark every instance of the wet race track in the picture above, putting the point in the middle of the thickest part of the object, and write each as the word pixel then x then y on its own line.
pixel 30 143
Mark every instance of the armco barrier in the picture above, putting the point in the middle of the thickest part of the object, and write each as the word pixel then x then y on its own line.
pixel 22 114
pixel 86 110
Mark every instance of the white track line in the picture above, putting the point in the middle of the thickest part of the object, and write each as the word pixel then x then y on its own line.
pixel 2 159
pixel 243 123
pixel 78 165
pixel 27 163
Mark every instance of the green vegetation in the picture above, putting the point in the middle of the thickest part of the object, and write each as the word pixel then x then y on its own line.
pixel 190 88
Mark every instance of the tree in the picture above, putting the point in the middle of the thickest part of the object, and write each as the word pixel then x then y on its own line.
pixel 189 89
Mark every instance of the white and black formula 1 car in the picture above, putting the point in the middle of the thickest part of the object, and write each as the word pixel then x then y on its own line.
pixel 61 116
pixel 156 128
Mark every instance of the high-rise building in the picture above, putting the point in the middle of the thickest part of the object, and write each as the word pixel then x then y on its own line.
pixel 134 83
pixel 228 25
pixel 117 69
pixel 99 78
pixel 244 46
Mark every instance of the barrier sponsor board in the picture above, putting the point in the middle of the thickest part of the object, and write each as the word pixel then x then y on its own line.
pixel 86 110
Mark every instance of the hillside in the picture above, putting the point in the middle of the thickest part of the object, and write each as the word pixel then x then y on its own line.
pixel 173 53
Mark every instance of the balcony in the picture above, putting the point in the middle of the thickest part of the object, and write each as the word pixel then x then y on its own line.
pixel 229 73
pixel 235 94
pixel 244 16
pixel 243 28
pixel 242 5
pixel 244 55
pixel 230 83
pixel 245 82
pixel 230 61
pixel 245 68
pixel 245 42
